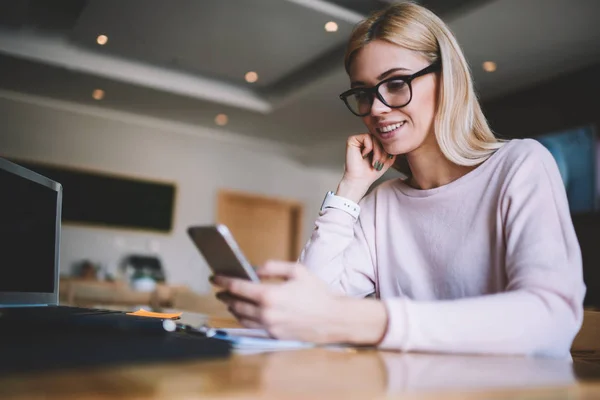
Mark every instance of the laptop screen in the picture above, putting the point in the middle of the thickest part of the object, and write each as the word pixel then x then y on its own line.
pixel 29 230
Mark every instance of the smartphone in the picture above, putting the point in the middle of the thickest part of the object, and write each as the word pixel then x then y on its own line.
pixel 221 252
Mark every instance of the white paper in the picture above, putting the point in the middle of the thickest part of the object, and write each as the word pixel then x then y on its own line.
pixel 258 340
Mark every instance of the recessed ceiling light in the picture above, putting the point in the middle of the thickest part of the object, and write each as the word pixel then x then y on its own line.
pixel 98 94
pixel 331 26
pixel 102 40
pixel 489 66
pixel 221 119
pixel 251 77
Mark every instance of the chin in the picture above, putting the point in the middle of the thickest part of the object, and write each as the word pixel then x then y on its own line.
pixel 401 141
pixel 399 147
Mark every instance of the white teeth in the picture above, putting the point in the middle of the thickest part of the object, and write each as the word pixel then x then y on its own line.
pixel 390 128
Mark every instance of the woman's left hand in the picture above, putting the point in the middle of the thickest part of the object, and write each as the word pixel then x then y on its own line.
pixel 300 307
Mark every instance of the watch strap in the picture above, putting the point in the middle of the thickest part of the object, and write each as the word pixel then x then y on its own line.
pixel 333 201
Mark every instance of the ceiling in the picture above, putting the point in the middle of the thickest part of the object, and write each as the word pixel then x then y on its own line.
pixel 185 60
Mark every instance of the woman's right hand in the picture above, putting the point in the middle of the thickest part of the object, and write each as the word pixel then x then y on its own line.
pixel 366 161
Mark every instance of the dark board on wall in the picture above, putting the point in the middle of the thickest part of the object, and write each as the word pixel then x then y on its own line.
pixel 113 201
pixel 565 102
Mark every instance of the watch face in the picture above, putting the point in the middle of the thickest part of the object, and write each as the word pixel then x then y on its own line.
pixel 330 193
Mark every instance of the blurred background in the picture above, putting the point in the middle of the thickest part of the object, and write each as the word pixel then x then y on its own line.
pixel 160 115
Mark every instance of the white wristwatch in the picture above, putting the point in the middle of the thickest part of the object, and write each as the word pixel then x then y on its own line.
pixel 341 203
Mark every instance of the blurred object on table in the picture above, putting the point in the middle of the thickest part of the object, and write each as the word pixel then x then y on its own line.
pixel 135 266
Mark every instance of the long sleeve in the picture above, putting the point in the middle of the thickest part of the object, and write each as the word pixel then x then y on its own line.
pixel 338 253
pixel 541 309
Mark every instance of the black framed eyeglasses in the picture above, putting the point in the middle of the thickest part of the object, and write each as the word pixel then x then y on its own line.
pixel 394 92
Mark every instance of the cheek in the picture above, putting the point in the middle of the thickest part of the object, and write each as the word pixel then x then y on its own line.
pixel 422 110
pixel 368 121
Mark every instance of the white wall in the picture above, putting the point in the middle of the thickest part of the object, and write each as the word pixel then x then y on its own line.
pixel 199 161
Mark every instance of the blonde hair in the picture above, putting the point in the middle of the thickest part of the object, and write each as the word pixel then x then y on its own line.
pixel 461 129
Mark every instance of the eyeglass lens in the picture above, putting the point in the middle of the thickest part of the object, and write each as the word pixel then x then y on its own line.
pixel 395 93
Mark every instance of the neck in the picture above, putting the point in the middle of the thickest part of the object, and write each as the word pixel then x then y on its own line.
pixel 430 168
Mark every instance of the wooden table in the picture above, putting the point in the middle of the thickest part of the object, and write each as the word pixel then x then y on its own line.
pixel 321 374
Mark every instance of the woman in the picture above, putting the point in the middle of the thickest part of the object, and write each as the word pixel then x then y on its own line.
pixel 474 252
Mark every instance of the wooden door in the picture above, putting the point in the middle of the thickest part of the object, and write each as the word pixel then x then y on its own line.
pixel 265 228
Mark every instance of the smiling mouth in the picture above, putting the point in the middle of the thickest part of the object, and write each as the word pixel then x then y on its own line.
pixel 390 128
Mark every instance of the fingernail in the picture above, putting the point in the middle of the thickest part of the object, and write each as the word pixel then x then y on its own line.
pixel 380 167
pixel 376 165
pixel 211 279
pixel 390 156
pixel 365 156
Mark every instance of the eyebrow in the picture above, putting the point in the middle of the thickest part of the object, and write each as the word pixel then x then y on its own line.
pixel 380 77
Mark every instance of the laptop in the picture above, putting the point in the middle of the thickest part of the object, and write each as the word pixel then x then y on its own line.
pixel 30 229
pixel 38 333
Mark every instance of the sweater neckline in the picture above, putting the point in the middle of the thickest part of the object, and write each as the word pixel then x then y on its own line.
pixel 413 192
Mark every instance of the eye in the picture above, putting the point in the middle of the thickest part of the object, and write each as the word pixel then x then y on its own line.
pixel 396 85
pixel 361 96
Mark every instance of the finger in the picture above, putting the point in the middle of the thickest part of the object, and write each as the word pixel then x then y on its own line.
pixel 240 287
pixel 278 269
pixel 248 323
pixel 389 161
pixel 245 310
pixel 385 160
pixel 378 156
pixel 228 298
pixel 361 142
pixel 367 145
pixel 239 307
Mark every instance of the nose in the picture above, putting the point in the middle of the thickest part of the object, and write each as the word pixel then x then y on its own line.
pixel 378 107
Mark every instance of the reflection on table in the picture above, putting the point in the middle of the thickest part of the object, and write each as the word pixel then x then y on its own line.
pixel 318 373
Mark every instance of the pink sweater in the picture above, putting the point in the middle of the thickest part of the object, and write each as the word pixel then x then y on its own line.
pixel 488 263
